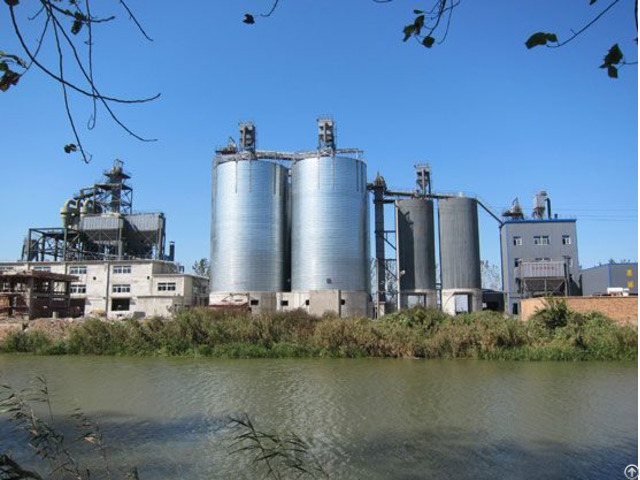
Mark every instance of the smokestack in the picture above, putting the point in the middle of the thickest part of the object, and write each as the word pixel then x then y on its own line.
pixel 172 251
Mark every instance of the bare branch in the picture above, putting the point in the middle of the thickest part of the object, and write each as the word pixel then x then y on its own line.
pixel 586 27
pixel 135 20
pixel 61 80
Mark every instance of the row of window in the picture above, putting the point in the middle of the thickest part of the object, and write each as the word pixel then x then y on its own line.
pixel 542 240
pixel 543 259
pixel 123 287
pixel 82 269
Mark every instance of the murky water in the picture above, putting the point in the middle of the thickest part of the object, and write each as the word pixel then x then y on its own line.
pixel 368 419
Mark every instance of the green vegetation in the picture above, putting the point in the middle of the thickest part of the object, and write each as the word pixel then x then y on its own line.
pixel 554 333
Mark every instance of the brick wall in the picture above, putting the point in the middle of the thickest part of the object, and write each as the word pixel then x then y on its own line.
pixel 620 309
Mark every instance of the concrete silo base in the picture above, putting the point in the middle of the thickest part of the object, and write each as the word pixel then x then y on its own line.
pixel 422 298
pixel 316 302
pixel 461 300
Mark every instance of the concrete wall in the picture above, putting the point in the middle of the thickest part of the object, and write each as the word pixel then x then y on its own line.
pixel 620 309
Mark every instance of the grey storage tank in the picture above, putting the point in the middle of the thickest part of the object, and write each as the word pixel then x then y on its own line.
pixel 249 226
pixel 416 252
pixel 459 254
pixel 330 224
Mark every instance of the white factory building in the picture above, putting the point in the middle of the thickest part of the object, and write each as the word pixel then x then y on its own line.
pixel 124 288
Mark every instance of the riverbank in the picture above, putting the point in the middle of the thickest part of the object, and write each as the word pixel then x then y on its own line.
pixel 555 333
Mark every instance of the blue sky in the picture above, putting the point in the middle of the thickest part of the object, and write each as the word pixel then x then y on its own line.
pixel 491 118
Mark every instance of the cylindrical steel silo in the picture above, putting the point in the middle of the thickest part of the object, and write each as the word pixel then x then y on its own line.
pixel 248 226
pixel 459 243
pixel 330 224
pixel 416 248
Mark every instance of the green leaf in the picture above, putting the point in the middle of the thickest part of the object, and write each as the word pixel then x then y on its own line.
pixel 409 30
pixel 12 3
pixel 77 25
pixel 613 56
pixel 541 38
pixel 70 147
pixel 591 2
pixel 418 12
pixel 248 19
pixel 8 79
pixel 428 41
pixel 3 66
pixel 612 71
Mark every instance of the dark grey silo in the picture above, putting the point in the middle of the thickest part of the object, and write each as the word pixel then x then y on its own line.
pixel 459 243
pixel 416 245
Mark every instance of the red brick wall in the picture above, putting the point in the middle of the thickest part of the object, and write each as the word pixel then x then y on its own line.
pixel 620 309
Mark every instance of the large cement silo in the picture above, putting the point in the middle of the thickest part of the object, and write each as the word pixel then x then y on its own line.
pixel 249 226
pixel 459 254
pixel 330 225
pixel 416 252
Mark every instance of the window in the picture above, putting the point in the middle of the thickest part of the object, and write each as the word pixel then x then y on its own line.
pixel 570 261
pixel 284 303
pixel 41 269
pixel 120 304
pixel 566 239
pixel 121 288
pixel 167 287
pixel 78 270
pixel 517 241
pixel 255 302
pixel 119 269
pixel 78 288
pixel 516 262
pixel 541 240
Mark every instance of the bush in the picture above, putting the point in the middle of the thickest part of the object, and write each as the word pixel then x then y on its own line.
pixel 554 333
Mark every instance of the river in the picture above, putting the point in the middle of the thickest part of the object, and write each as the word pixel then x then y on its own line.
pixel 366 419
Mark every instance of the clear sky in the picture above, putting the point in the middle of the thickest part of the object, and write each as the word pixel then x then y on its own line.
pixel 491 118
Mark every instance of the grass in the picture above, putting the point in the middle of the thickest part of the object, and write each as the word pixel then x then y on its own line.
pixel 553 333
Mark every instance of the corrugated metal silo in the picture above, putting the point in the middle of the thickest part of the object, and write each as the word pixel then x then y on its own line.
pixel 416 248
pixel 248 226
pixel 330 224
pixel 459 243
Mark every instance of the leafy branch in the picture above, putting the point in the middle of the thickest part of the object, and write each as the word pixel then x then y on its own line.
pixel 430 26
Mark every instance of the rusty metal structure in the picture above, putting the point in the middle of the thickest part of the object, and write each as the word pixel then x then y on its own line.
pixel 33 294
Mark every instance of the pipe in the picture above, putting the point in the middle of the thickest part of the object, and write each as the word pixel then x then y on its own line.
pixel 548 207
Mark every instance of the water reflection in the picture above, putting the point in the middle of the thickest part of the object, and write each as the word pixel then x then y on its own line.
pixel 371 419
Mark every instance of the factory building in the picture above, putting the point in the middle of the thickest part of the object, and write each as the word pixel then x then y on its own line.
pixel 290 230
pixel 115 256
pixel 539 254
pixel 610 279
pixel 122 288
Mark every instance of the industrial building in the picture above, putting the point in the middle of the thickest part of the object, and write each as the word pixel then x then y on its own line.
pixel 111 258
pixel 121 288
pixel 33 294
pixel 610 279
pixel 539 253
pixel 291 230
